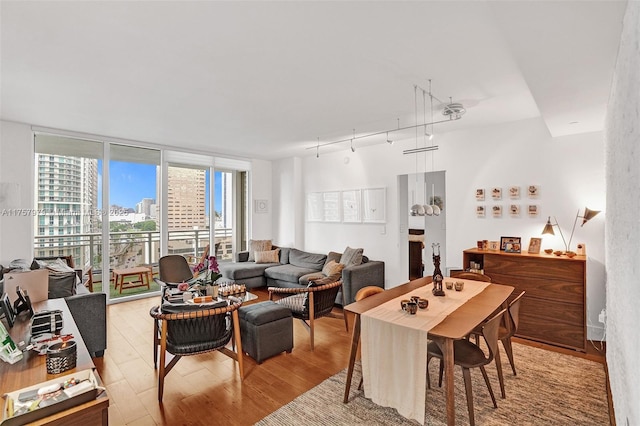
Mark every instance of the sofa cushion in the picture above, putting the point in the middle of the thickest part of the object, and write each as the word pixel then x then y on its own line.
pixel 241 270
pixel 258 245
pixel 284 255
pixel 62 284
pixel 351 257
pixel 290 273
pixel 270 256
pixel 307 260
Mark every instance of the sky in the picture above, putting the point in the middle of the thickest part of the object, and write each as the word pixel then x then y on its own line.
pixel 129 183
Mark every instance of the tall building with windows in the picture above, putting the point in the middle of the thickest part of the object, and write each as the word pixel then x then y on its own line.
pixel 66 200
pixel 144 207
pixel 186 192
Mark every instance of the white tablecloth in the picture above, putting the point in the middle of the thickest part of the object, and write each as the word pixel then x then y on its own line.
pixel 394 347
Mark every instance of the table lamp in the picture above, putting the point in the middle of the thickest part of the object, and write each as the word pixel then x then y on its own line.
pixel 587 216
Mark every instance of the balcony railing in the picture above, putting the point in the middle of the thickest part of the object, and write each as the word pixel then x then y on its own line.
pixel 132 248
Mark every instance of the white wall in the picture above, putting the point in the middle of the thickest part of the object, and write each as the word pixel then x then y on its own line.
pixel 16 169
pixel 623 229
pixel 569 171
pixel 288 205
pixel 260 223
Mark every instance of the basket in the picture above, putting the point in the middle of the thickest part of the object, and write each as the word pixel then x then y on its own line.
pixel 61 357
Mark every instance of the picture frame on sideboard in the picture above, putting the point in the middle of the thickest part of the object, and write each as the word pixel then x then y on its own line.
pixel 534 245
pixel 512 243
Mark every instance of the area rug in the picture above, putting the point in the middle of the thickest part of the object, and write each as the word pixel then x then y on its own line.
pixel 550 389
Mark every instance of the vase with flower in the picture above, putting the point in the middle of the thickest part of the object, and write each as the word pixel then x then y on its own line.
pixel 212 276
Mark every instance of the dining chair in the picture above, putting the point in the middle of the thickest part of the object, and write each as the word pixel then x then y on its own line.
pixel 506 332
pixel 191 332
pixel 363 293
pixel 468 355
pixel 471 276
pixel 508 329
pixel 173 269
pixel 309 303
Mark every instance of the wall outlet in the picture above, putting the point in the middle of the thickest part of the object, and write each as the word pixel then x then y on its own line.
pixel 603 316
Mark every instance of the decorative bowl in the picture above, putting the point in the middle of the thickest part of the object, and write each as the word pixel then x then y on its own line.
pixel 558 253
pixel 570 254
pixel 548 251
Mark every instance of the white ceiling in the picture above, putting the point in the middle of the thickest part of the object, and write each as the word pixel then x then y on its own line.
pixel 266 79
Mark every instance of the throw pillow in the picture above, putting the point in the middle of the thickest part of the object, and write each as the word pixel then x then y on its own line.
pixel 351 257
pixel 258 245
pixel 270 256
pixel 333 256
pixel 62 284
pixel 332 268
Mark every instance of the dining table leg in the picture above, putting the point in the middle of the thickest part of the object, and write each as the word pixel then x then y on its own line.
pixel 355 340
pixel 446 346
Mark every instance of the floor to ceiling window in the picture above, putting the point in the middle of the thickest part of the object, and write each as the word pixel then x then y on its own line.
pixel 67 191
pixel 134 238
pixel 117 208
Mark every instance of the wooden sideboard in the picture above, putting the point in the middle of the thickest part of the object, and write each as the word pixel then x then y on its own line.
pixel 553 309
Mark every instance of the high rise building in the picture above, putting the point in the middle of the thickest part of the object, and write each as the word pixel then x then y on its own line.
pixel 186 192
pixel 66 199
pixel 144 207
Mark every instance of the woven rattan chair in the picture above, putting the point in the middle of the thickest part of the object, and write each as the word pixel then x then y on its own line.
pixel 468 355
pixel 173 269
pixel 309 303
pixel 195 332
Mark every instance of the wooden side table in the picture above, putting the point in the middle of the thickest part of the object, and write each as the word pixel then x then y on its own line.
pixel 142 273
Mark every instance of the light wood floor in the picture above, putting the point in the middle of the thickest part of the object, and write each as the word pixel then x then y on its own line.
pixel 206 389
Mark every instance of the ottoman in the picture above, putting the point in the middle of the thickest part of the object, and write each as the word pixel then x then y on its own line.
pixel 266 329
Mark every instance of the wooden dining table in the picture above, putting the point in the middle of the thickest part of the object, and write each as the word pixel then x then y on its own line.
pixel 454 326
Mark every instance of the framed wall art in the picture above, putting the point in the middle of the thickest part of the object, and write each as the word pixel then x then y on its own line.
pixel 514 192
pixel 373 205
pixel 496 210
pixel 351 206
pixel 496 193
pixel 533 191
pixel 315 207
pixel 480 211
pixel 331 206
pixel 532 210
pixel 480 194
pixel 260 206
pixel 514 209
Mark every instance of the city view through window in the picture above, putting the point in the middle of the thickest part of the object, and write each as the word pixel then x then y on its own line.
pixel 69 202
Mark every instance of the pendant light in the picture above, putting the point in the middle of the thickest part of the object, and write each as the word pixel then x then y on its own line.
pixel 428 210
pixel 416 209
pixel 434 206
